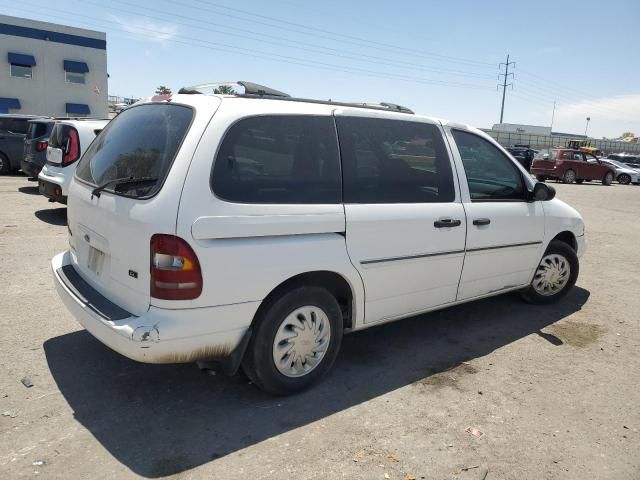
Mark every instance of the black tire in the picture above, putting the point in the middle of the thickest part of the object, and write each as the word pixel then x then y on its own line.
pixel 624 179
pixel 541 178
pixel 5 166
pixel 569 176
pixel 607 179
pixel 556 247
pixel 579 181
pixel 258 363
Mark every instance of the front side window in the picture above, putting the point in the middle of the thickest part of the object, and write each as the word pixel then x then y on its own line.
pixel 74 77
pixel 393 161
pixel 491 175
pixel 22 71
pixel 139 144
pixel 278 159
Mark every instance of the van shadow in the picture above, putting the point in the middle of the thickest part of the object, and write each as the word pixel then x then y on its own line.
pixel 29 190
pixel 160 420
pixel 53 216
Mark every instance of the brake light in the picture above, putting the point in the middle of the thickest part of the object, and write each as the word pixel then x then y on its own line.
pixel 72 148
pixel 41 146
pixel 175 270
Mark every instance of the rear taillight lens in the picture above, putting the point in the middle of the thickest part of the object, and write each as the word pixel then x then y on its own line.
pixel 175 270
pixel 72 148
pixel 41 146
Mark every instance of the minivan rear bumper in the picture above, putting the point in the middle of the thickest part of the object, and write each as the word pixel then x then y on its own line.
pixel 159 335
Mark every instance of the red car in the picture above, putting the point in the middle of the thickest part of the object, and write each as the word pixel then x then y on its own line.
pixel 571 166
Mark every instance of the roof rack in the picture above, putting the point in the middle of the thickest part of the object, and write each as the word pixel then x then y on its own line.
pixel 255 90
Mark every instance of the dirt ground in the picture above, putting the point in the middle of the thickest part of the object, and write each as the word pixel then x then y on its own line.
pixel 554 389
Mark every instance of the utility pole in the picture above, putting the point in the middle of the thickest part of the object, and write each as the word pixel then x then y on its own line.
pixel 553 116
pixel 505 84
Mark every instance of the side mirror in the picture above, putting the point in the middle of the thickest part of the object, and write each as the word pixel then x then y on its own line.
pixel 543 192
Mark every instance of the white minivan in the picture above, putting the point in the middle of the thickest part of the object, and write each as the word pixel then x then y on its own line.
pixel 255 229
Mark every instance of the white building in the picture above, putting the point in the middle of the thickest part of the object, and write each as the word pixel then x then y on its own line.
pixel 519 128
pixel 54 70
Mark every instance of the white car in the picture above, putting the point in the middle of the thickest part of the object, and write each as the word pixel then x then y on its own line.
pixel 254 230
pixel 68 140
pixel 624 174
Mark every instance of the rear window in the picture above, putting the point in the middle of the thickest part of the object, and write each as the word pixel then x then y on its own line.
pixel 36 129
pixel 279 159
pixel 60 136
pixel 141 142
pixel 551 155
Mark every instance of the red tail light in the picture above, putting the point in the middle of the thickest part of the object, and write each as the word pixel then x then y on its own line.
pixel 175 270
pixel 72 148
pixel 41 146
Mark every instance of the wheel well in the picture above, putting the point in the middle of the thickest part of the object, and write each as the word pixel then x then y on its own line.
pixel 333 282
pixel 568 238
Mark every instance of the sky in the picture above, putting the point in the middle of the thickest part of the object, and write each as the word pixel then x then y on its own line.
pixel 438 58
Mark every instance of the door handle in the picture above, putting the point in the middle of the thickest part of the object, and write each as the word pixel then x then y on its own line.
pixel 481 221
pixel 446 223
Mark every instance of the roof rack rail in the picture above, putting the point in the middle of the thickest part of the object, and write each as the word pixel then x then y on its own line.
pixel 255 90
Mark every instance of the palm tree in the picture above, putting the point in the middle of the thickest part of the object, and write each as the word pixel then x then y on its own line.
pixel 224 90
pixel 162 90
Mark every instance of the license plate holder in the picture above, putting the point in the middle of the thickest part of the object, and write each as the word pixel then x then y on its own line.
pixel 95 259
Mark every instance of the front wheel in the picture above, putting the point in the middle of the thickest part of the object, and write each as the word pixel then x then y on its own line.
pixel 608 179
pixel 295 341
pixel 624 179
pixel 555 275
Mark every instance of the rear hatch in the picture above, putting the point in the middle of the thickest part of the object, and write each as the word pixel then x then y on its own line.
pixel 111 229
pixel 36 141
pixel 544 159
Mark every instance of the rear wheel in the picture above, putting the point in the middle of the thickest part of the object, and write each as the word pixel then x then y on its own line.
pixel 556 274
pixel 608 178
pixel 569 176
pixel 295 341
pixel 624 179
pixel 4 164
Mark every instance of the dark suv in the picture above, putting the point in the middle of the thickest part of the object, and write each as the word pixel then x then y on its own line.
pixel 13 129
pixel 35 146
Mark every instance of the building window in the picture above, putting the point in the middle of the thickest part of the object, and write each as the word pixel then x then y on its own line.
pixel 23 71
pixel 21 64
pixel 75 71
pixel 74 77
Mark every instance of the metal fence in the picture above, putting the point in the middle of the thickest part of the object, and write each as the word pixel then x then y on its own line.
pixel 538 142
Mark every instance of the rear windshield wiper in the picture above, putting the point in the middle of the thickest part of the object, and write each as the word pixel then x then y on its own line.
pixel 117 182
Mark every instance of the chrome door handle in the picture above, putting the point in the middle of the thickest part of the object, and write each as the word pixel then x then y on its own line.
pixel 481 221
pixel 446 223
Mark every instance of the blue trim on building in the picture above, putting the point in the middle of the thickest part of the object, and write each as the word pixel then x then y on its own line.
pixel 21 59
pixel 77 108
pixel 75 67
pixel 39 34
pixel 6 103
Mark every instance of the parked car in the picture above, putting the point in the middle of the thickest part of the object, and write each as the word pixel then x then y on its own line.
pixel 13 129
pixel 349 216
pixel 523 154
pixel 571 166
pixel 624 174
pixel 69 139
pixel 35 146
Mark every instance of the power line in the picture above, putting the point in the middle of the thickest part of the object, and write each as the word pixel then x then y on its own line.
pixel 333 52
pixel 326 34
pixel 280 58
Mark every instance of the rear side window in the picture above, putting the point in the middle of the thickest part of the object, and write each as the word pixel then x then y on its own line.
pixel 279 159
pixel 36 130
pixel 18 125
pixel 393 161
pixel 140 143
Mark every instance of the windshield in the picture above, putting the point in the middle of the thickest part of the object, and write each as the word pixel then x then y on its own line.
pixel 141 142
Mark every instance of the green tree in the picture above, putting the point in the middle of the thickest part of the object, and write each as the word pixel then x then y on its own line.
pixel 162 90
pixel 627 134
pixel 224 90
